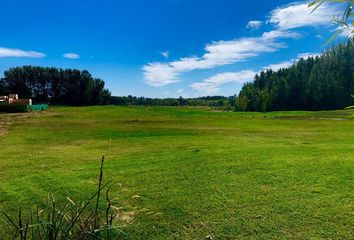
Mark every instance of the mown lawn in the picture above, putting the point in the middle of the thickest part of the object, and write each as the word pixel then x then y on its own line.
pixel 186 173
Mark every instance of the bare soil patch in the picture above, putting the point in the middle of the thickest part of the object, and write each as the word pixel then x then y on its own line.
pixel 7 119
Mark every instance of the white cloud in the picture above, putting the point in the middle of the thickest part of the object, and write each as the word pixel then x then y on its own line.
pixel 299 15
pixel 12 52
pixel 211 85
pixel 159 74
pixel 254 24
pixel 286 64
pixel 307 55
pixel 71 56
pixel 216 54
pixel 179 91
pixel 277 66
pixel 346 32
pixel 281 34
pixel 220 53
pixel 165 54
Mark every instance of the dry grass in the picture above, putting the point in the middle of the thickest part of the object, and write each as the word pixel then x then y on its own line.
pixel 6 120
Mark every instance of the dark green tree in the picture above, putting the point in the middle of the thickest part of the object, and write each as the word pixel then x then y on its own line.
pixel 55 86
pixel 317 83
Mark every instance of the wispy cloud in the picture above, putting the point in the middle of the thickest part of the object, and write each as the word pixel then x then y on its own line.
pixel 211 85
pixel 254 24
pixel 307 55
pixel 165 54
pixel 159 74
pixel 284 20
pixel 277 66
pixel 346 32
pixel 18 53
pixel 71 56
pixel 290 62
pixel 280 34
pixel 179 91
pixel 216 54
pixel 299 15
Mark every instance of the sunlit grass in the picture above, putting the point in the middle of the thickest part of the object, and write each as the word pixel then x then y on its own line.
pixel 187 173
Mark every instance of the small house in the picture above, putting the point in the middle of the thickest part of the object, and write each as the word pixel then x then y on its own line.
pixel 13 99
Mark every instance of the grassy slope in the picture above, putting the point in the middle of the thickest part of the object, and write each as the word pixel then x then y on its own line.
pixel 197 172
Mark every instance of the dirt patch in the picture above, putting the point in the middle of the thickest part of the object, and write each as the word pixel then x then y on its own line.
pixel 125 218
pixel 6 120
pixel 334 119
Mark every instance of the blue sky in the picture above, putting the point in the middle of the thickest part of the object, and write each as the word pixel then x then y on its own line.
pixel 163 48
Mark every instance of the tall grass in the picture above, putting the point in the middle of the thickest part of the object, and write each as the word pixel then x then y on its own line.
pixel 86 220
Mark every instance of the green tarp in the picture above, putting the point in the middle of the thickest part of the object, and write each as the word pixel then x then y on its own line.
pixel 37 107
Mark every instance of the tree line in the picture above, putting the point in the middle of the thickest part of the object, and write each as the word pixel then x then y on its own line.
pixel 317 83
pixel 209 101
pixel 73 87
pixel 55 86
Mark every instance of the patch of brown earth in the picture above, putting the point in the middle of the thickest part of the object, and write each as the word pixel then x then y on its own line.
pixel 125 218
pixel 7 119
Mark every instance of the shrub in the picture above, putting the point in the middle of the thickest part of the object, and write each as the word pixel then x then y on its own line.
pixel 13 108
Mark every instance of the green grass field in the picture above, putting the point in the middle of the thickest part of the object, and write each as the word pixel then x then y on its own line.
pixel 185 173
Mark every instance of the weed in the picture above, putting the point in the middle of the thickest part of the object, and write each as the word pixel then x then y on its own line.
pixel 70 220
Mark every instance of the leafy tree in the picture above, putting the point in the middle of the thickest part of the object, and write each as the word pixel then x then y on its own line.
pixel 2 87
pixel 55 86
pixel 106 97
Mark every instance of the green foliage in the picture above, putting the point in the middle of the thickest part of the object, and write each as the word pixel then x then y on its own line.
pixel 20 108
pixel 13 108
pixel 210 101
pixel 317 83
pixel 55 86
pixel 350 107
pixel 69 220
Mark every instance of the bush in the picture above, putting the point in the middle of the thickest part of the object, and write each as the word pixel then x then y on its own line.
pixel 13 108
pixel 19 108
